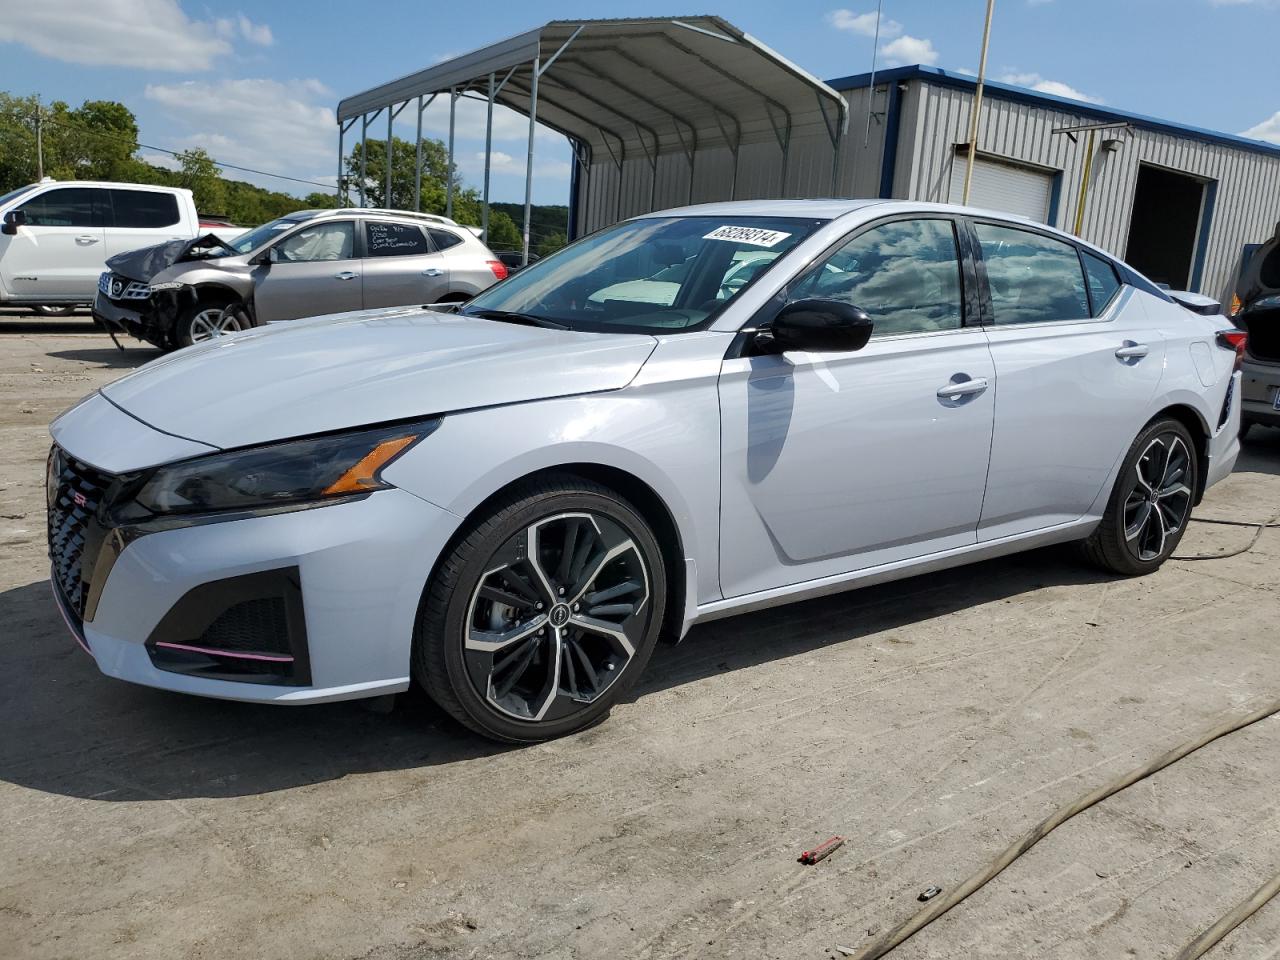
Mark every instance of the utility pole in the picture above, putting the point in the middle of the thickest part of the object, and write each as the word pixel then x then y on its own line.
pixel 977 102
pixel 39 140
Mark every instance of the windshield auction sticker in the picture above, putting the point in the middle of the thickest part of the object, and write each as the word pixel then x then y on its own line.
pixel 752 235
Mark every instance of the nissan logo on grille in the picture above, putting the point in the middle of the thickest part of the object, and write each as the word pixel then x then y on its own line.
pixel 117 287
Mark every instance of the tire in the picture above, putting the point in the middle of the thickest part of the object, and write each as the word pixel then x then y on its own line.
pixel 205 320
pixel 1150 505
pixel 55 309
pixel 498 648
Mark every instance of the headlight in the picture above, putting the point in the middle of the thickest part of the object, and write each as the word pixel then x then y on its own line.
pixel 280 475
pixel 167 285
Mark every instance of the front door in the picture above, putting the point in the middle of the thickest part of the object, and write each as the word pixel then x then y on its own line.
pixel 1078 360
pixel 400 267
pixel 59 253
pixel 312 271
pixel 838 462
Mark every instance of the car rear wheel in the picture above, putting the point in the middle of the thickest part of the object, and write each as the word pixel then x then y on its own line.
pixel 1150 504
pixel 55 310
pixel 205 321
pixel 543 614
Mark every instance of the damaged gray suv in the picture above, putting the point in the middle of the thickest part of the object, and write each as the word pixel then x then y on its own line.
pixel 309 263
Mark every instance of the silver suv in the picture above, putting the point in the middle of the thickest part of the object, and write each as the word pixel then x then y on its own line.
pixel 308 263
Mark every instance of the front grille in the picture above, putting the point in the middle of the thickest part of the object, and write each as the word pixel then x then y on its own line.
pixel 258 626
pixel 75 492
pixel 122 288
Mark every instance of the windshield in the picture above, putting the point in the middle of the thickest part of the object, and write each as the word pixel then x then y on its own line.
pixel 655 275
pixel 260 235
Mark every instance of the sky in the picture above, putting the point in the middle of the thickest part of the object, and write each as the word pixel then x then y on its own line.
pixel 256 85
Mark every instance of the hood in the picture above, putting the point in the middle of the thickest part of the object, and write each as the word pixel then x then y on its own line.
pixel 145 263
pixel 330 373
pixel 1260 277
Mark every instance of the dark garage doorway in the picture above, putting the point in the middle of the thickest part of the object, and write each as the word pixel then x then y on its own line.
pixel 1165 224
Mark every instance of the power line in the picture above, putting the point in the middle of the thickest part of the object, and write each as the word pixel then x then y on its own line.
pixel 175 153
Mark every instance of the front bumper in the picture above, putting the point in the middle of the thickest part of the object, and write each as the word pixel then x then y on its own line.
pixel 1260 387
pixel 137 318
pixel 355 573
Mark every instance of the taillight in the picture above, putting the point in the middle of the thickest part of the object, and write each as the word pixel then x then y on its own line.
pixel 1235 305
pixel 499 268
pixel 1234 340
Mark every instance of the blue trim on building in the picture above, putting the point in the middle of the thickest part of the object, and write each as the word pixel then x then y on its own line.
pixel 1005 91
pixel 1055 198
pixel 1202 241
pixel 889 155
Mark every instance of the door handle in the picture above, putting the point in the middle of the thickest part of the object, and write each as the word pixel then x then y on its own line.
pixel 345 275
pixel 1132 351
pixel 964 388
pixel 86 238
pixel 432 272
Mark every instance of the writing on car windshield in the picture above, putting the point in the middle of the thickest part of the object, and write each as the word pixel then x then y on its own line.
pixel 652 275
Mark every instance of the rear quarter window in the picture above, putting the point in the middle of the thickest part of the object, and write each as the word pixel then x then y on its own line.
pixel 443 239
pixel 1103 282
pixel 142 209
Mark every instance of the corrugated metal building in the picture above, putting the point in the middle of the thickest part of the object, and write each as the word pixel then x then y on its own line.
pixel 1178 202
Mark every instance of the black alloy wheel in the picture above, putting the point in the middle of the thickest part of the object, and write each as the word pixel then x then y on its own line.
pixel 543 614
pixel 1151 503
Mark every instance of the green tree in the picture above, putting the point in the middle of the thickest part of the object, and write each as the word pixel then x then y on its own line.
pixel 201 176
pixel 551 243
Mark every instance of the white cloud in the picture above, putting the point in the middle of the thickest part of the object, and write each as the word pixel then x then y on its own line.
pixel 265 124
pixel 909 49
pixel 243 27
pixel 863 23
pixel 143 34
pixel 504 163
pixel 1040 84
pixel 166 160
pixel 1268 129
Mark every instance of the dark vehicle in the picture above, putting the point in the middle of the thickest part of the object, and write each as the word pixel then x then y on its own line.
pixel 1255 308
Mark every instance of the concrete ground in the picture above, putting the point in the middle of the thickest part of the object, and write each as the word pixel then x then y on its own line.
pixel 930 721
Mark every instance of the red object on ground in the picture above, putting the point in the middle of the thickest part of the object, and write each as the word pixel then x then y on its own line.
pixel 822 850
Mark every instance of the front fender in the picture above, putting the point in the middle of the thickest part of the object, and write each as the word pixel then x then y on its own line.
pixel 477 453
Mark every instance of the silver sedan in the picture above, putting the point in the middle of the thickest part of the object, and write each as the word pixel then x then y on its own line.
pixel 688 415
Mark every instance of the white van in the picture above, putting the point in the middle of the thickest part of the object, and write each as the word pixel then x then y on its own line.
pixel 57 235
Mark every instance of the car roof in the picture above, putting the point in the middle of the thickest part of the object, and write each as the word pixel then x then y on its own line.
pixel 433 218
pixel 821 209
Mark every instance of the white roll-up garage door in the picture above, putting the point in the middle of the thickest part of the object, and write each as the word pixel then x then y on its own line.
pixel 1003 186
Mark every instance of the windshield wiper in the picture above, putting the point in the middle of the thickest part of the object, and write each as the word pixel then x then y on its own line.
pixel 527 319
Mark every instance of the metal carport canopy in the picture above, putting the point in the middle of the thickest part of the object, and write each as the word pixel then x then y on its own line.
pixel 630 88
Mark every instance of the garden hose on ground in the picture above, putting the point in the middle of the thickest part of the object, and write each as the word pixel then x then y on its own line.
pixel 936 908
pixel 1258 530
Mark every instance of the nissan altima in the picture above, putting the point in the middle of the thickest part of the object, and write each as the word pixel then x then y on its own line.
pixel 690 414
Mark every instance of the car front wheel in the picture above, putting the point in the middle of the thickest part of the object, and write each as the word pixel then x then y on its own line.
pixel 1150 504
pixel 543 614
pixel 205 321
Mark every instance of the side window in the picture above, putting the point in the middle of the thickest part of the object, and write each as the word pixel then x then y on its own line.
pixel 393 239
pixel 1033 278
pixel 1103 284
pixel 324 241
pixel 904 274
pixel 443 239
pixel 144 208
pixel 68 207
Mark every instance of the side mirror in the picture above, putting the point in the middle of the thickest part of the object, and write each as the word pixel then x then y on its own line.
pixel 267 256
pixel 12 221
pixel 820 326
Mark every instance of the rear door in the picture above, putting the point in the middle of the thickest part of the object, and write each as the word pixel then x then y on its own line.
pixel 400 265
pixel 59 253
pixel 142 218
pixel 312 271
pixel 1077 361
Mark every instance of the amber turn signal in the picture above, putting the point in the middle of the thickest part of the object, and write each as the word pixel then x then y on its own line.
pixel 363 475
